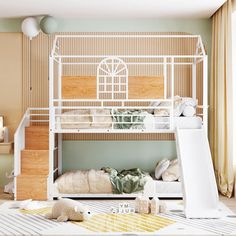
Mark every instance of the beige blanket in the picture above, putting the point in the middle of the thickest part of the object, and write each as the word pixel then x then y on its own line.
pixel 80 181
pixel 85 119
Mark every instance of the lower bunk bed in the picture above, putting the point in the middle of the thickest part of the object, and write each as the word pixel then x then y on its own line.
pixel 105 183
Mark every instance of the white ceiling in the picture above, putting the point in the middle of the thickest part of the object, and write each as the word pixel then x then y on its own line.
pixel 110 8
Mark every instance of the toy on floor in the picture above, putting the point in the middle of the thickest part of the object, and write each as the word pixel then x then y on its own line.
pixel 28 204
pixel 9 188
pixel 142 204
pixel 155 206
pixel 67 209
pixel 145 206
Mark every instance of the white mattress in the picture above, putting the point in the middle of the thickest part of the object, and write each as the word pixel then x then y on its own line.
pixel 183 122
pixel 168 189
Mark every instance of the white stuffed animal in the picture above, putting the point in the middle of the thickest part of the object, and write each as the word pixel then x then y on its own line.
pixel 9 188
pixel 67 209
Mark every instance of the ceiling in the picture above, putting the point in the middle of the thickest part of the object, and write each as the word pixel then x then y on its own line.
pixel 110 8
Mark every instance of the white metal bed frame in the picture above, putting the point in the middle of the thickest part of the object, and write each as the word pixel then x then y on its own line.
pixel 113 61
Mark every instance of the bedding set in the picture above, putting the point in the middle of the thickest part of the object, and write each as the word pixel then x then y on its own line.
pixel 158 118
pixel 167 170
pixel 104 181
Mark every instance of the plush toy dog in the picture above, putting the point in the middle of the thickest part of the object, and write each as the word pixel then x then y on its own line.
pixel 67 209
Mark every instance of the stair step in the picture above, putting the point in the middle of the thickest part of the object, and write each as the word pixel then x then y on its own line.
pixel 37 137
pixel 31 187
pixel 34 162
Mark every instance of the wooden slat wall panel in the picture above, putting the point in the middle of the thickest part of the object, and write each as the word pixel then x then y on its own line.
pixel 85 87
pixel 35 70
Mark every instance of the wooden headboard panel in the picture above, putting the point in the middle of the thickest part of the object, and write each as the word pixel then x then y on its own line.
pixel 84 87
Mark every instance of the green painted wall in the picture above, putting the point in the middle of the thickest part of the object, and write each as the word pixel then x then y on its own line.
pixel 95 154
pixel 194 26
pixel 118 154
pixel 6 166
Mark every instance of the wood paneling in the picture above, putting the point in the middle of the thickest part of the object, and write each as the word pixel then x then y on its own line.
pixel 85 87
pixel 11 79
pixel 31 187
pixel 34 162
pixel 146 87
pixel 118 137
pixel 79 87
pixel 37 138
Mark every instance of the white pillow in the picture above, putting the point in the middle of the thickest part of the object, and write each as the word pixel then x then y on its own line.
pixel 173 172
pixel 188 101
pixel 189 111
pixel 161 167
pixel 166 112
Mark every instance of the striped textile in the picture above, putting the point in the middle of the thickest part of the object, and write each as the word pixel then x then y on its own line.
pixel 25 224
pixel 217 226
pixel 104 222
pixel 125 223
pixel 32 222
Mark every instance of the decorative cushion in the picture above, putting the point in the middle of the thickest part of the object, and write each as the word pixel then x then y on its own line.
pixel 165 112
pixel 189 111
pixel 188 101
pixel 173 171
pixel 161 167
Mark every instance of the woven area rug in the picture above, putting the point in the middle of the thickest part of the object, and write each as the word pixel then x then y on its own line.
pixel 33 222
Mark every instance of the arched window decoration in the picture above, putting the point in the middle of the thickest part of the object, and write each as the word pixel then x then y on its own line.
pixel 112 79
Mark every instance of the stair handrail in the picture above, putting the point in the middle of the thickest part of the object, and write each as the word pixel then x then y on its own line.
pixel 19 141
pixel 19 136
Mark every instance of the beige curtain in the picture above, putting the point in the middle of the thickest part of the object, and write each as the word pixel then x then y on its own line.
pixel 221 102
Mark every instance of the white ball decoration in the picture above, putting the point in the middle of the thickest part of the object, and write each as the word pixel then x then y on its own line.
pixel 30 27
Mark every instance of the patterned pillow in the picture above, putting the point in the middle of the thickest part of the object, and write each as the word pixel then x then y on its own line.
pixel 173 172
pixel 161 167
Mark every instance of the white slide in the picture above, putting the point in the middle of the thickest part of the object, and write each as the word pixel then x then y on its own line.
pixel 198 180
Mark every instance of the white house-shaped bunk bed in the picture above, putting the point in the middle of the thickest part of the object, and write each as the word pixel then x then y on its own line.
pixel 112 88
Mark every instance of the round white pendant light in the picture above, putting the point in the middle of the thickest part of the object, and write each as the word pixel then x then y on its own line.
pixel 30 27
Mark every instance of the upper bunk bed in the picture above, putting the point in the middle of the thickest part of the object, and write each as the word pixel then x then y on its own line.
pixel 112 88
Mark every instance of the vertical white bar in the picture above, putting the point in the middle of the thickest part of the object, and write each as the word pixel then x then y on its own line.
pixel 194 80
pixel 51 127
pixel 172 94
pixel 59 83
pixel 165 77
pixel 127 82
pixel 205 94
pixel 59 153
pixel 112 79
pixel 98 80
pixel 59 138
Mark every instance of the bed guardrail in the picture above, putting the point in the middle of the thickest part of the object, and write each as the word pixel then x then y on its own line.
pixel 130 116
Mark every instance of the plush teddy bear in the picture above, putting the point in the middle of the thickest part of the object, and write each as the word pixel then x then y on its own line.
pixel 67 209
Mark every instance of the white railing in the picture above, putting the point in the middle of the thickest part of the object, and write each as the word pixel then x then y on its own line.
pixel 19 142
pixel 19 136
pixel 98 116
